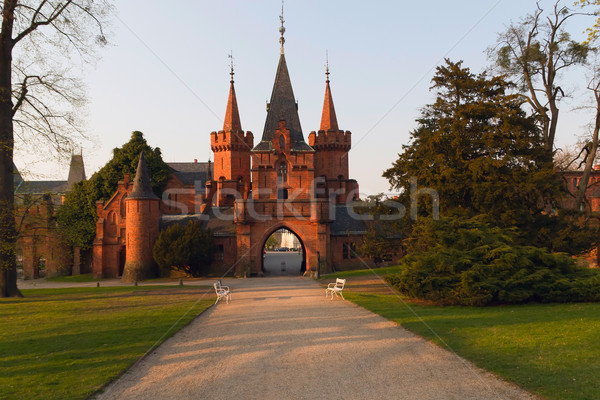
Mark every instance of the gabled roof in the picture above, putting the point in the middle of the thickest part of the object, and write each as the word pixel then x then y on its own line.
pixel 283 107
pixel 191 173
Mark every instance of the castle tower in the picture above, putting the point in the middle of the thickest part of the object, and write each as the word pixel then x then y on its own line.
pixel 231 147
pixel 282 162
pixel 332 146
pixel 142 216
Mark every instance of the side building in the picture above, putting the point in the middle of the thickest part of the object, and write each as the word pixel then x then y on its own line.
pixel 40 249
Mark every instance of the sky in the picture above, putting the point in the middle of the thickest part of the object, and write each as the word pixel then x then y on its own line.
pixel 166 72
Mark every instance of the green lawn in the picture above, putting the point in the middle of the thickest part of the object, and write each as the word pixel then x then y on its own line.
pixel 549 349
pixel 362 272
pixel 74 278
pixel 67 343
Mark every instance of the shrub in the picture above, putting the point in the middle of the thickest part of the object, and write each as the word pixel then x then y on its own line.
pixel 468 262
pixel 185 248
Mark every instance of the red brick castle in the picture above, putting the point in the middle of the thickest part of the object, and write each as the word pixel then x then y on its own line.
pixel 249 192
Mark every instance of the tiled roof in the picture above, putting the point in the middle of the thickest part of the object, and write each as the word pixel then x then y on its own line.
pixel 347 221
pixel 41 187
pixel 218 219
pixel 190 173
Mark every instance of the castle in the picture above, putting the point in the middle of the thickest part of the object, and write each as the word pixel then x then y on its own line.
pixel 250 191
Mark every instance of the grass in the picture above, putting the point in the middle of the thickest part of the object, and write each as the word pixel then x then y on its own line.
pixel 67 343
pixel 549 349
pixel 74 278
pixel 362 272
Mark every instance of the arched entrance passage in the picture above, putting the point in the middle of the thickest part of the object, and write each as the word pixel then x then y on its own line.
pixel 283 253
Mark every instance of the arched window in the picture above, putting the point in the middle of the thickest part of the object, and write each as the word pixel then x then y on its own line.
pixel 281 142
pixel 282 173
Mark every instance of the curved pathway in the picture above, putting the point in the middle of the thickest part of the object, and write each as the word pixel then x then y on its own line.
pixel 279 338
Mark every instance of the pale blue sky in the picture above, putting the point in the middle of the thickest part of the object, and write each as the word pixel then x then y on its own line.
pixel 167 71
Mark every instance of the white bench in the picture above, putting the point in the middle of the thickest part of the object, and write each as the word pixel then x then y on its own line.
pixel 222 292
pixel 336 288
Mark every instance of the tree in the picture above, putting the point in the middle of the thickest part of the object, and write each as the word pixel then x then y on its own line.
pixel 468 262
pixel 38 42
pixel 271 242
pixel 479 150
pixel 534 52
pixel 77 216
pixel 187 249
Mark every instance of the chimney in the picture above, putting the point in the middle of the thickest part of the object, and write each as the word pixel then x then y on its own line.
pixel 195 161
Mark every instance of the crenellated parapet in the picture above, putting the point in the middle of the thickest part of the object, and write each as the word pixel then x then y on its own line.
pixel 231 141
pixel 330 140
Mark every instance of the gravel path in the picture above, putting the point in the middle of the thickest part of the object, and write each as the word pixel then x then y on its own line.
pixel 279 338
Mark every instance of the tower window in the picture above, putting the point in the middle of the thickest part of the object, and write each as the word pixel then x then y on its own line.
pixel 282 194
pixel 281 142
pixel 282 172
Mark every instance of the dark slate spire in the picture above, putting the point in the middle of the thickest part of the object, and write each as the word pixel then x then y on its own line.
pixel 76 170
pixel 142 189
pixel 283 107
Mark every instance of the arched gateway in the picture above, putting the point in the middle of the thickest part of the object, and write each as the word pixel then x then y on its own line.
pixel 252 190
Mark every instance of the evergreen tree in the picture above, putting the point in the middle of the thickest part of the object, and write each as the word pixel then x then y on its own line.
pixel 77 216
pixel 187 249
pixel 480 151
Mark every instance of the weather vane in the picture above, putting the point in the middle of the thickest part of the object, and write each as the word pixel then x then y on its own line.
pixel 282 28
pixel 327 64
pixel 230 55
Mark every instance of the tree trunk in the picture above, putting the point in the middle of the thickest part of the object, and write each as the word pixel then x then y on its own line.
pixel 8 270
pixel 589 162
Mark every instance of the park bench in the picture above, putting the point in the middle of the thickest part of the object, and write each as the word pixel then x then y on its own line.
pixel 222 291
pixel 336 288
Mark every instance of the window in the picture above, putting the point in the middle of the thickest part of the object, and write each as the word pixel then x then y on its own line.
pixel 282 194
pixel 281 142
pixel 282 172
pixel 348 250
pixel 220 252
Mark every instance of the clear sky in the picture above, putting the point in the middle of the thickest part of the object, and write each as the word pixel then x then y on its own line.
pixel 166 72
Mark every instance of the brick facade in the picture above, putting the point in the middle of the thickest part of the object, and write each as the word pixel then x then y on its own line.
pixel 250 191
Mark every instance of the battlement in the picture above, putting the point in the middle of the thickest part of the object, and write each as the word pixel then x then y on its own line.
pixel 330 140
pixel 231 140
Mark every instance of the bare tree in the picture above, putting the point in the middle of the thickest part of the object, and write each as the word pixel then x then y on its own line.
pixel 41 42
pixel 591 147
pixel 534 51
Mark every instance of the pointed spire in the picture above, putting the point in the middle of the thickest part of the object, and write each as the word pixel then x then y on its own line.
pixel 328 118
pixel 142 189
pixel 232 115
pixel 76 170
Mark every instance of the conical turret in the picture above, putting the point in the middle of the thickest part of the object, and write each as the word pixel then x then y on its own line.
pixel 232 115
pixel 328 118
pixel 142 188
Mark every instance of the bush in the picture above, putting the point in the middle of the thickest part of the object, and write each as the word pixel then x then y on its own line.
pixel 187 249
pixel 468 262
